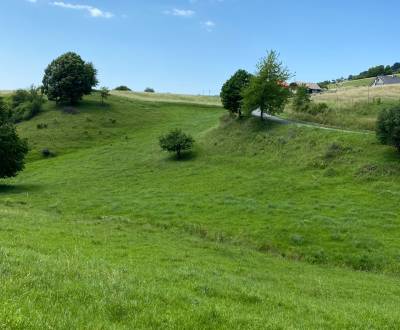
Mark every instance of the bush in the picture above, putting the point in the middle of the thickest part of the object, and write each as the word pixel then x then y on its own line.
pixel 5 113
pixel 231 92
pixel 26 104
pixel 12 151
pixel 317 108
pixel 104 94
pixel 149 90
pixel 41 126
pixel 388 127
pixel 301 99
pixel 68 78
pixel 46 153
pixel 176 141
pixel 122 88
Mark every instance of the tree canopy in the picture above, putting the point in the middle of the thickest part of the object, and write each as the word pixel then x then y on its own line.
pixel 68 78
pixel 232 90
pixel 268 90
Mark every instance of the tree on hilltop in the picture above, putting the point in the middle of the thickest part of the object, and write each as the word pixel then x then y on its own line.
pixel 68 78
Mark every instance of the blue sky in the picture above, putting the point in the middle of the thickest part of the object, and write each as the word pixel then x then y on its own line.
pixel 193 46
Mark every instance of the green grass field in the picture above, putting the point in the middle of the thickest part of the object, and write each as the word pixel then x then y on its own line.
pixel 263 226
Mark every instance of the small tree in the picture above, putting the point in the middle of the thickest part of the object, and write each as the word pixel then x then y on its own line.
pixel 268 90
pixel 68 78
pixel 301 99
pixel 388 127
pixel 176 141
pixel 12 151
pixel 149 90
pixel 104 93
pixel 231 92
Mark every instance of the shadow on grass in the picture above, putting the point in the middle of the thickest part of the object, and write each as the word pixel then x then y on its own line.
pixel 17 188
pixel 185 157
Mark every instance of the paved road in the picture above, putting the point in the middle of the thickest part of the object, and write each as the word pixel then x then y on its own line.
pixel 257 113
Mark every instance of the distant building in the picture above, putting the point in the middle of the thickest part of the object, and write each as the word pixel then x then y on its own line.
pixel 385 80
pixel 312 87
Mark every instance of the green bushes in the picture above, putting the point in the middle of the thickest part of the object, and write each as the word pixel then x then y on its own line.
pixel 301 99
pixel 388 127
pixel 122 88
pixel 149 90
pixel 26 104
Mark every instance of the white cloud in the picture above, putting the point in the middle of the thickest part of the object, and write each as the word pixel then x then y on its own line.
pixel 180 12
pixel 93 11
pixel 209 25
pixel 32 1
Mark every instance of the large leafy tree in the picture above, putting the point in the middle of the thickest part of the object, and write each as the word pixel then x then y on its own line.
pixel 68 78
pixel 231 92
pixel 268 90
pixel 388 127
pixel 12 149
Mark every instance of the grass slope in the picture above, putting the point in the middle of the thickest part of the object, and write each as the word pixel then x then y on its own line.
pixel 112 233
pixel 354 108
pixel 167 97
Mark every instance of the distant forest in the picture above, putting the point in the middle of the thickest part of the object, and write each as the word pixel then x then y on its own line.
pixel 379 70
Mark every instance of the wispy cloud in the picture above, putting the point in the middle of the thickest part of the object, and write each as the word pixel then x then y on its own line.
pixel 208 25
pixel 92 11
pixel 32 1
pixel 180 12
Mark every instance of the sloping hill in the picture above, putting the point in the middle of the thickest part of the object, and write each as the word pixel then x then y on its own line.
pixel 172 98
pixel 263 226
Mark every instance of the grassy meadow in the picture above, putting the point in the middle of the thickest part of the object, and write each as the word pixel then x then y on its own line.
pixel 167 97
pixel 263 226
pixel 354 108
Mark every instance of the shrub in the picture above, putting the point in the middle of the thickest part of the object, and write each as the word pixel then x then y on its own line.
pixel 104 93
pixel 47 153
pixel 317 108
pixel 5 113
pixel 12 151
pixel 26 104
pixel 68 78
pixel 231 92
pixel 41 126
pixel 122 88
pixel 388 127
pixel 176 141
pixel 149 90
pixel 301 99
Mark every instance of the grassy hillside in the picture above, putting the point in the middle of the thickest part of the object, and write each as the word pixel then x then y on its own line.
pixel 167 97
pixel 354 108
pixel 354 83
pixel 113 233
